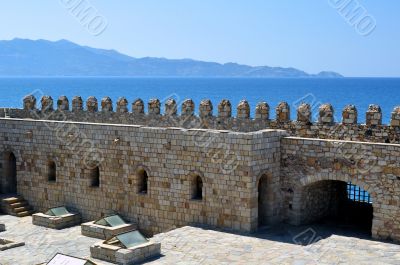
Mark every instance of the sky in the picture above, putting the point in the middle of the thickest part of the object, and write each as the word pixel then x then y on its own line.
pixel 311 35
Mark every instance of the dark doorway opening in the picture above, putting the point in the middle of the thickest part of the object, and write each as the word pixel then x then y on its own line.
pixel 340 205
pixel 10 173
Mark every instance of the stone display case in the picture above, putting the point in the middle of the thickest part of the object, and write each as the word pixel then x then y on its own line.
pixel 106 227
pixel 126 249
pixel 56 218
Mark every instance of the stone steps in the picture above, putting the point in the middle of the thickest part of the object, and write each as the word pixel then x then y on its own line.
pixel 16 205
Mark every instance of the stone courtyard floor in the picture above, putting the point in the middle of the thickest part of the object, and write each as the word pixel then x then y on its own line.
pixel 190 245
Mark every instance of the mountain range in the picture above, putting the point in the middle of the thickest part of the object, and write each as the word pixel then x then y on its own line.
pixel 23 57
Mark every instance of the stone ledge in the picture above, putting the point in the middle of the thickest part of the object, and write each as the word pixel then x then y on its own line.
pixel 91 229
pixel 56 222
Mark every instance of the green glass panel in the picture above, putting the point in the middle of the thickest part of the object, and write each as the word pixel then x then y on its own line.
pixel 114 220
pixel 102 222
pixel 59 211
pixel 132 239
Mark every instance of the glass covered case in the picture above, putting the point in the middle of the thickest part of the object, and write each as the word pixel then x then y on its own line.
pixel 58 211
pixel 128 240
pixel 112 221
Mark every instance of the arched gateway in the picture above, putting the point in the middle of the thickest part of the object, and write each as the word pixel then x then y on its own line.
pixel 342 200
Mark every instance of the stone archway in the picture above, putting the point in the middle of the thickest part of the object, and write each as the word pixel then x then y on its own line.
pixel 9 180
pixel 320 198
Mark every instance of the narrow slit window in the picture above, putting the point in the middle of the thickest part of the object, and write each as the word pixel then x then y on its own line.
pixel 143 181
pixel 197 188
pixel 95 177
pixel 52 171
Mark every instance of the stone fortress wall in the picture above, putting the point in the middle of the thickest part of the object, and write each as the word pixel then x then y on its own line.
pixel 252 172
pixel 303 126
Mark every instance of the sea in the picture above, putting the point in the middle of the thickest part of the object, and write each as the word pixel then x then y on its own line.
pixel 338 91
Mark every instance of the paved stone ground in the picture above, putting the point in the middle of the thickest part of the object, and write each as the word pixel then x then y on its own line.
pixel 322 244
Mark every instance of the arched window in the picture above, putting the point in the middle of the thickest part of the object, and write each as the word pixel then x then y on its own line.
pixel 95 177
pixel 51 171
pixel 143 181
pixel 197 188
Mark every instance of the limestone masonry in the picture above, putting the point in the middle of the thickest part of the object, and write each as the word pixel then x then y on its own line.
pixel 162 171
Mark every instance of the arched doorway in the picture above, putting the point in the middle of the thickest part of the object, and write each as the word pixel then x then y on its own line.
pixel 342 205
pixel 9 173
pixel 264 200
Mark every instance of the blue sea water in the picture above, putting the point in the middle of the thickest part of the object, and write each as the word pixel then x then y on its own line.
pixel 339 92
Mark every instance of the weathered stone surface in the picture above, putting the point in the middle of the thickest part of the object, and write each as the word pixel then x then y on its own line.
pixel 154 107
pixel 349 115
pixel 29 102
pixel 138 106
pixel 91 104
pixel 122 105
pixel 282 112
pixel 262 111
pixel 77 104
pixel 243 110
pixel 56 222
pixel 105 160
pixel 192 245
pixel 170 107
pixel 326 114
pixel 206 108
pixel 63 103
pixel 374 115
pixel 304 113
pixel 106 104
pixel 188 107
pixel 395 120
pixel 225 109
pixel 348 129
pixel 47 103
pixel 91 229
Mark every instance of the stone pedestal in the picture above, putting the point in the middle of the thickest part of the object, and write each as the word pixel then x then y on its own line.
pixel 91 229
pixel 56 222
pixel 124 256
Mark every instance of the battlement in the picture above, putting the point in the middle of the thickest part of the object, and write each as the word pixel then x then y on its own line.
pixel 304 125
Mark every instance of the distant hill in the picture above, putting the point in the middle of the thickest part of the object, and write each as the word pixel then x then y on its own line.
pixel 21 57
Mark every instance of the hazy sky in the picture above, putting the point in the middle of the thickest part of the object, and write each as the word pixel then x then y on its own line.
pixel 308 34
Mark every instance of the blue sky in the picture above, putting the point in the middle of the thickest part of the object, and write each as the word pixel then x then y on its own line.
pixel 310 35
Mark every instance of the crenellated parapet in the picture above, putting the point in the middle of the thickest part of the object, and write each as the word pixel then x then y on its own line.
pixel 187 108
pixel 138 106
pixel 243 110
pixel 63 103
pixel 92 104
pixel 374 115
pixel 395 120
pixel 171 108
pixel 169 114
pixel 122 105
pixel 304 113
pixel 282 112
pixel 154 107
pixel 225 109
pixel 349 115
pixel 262 111
pixel 106 104
pixel 205 109
pixel 77 104
pixel 47 103
pixel 326 114
pixel 29 102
